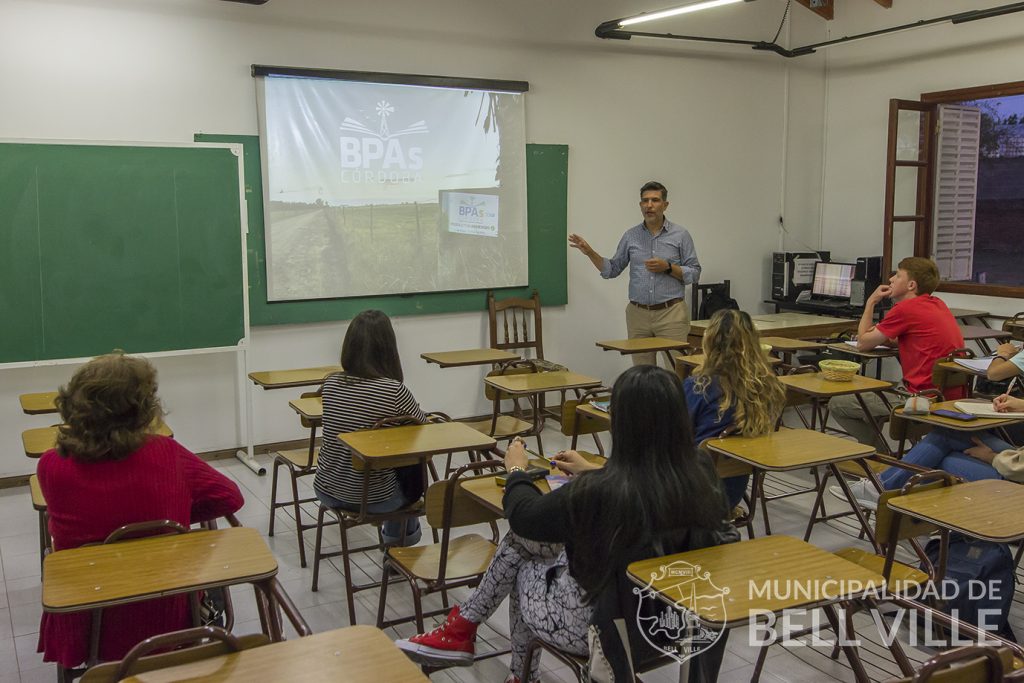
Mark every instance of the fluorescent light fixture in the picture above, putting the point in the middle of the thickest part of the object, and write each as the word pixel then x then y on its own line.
pixel 675 11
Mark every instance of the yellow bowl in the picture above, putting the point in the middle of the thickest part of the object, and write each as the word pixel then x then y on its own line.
pixel 838 370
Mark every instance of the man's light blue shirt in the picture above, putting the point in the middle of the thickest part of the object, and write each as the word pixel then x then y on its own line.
pixel 672 243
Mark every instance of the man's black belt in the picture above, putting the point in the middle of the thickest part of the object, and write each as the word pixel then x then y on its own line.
pixel 658 307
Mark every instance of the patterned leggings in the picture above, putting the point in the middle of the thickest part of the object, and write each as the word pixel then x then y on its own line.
pixel 544 601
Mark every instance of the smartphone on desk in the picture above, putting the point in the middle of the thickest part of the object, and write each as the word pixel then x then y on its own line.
pixel 954 415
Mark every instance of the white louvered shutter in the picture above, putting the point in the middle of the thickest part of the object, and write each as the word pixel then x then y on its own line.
pixel 956 191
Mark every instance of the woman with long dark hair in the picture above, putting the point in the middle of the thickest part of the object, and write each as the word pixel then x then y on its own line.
pixel 734 388
pixel 563 562
pixel 369 388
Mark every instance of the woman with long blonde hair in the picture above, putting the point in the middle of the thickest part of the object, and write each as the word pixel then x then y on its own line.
pixel 735 387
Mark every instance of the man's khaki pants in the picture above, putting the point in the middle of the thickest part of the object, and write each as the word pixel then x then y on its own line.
pixel 671 323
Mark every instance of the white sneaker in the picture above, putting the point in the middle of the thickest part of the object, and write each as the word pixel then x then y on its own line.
pixel 863 491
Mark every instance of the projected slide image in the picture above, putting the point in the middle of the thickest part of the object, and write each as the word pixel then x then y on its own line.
pixel 390 189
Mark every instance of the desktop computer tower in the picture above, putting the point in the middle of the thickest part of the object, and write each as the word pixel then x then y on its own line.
pixel 867 275
pixel 793 272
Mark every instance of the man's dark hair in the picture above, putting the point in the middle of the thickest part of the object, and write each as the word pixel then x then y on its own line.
pixel 654 185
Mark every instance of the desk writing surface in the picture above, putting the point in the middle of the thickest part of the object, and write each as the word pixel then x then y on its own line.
pixel 696 360
pixel 298 377
pixel 116 573
pixel 396 446
pixel 534 382
pixel 455 359
pixel 791 325
pixel 357 654
pixel 973 332
pixel 41 439
pixel 961 313
pixel 787 344
pixel 953 366
pixel 642 345
pixel 816 386
pixel 486 491
pixel 877 352
pixel 311 407
pixel 789 449
pixel 41 403
pixel 975 425
pixel 742 569
pixel 989 509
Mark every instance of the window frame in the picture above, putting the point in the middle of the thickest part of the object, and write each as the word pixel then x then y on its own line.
pixel 923 232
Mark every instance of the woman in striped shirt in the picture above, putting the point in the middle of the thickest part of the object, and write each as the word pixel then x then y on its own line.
pixel 368 390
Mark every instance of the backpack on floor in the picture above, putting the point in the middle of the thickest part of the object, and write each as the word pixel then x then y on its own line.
pixel 978 567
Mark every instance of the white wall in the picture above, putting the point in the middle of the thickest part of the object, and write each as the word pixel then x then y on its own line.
pixel 708 123
pixel 861 78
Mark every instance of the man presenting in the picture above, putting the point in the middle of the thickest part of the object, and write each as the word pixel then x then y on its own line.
pixel 662 261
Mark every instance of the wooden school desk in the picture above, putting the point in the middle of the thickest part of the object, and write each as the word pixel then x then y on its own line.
pixel 529 385
pixel 786 347
pixel 821 390
pixel 769 574
pixel 459 359
pixel 42 403
pixel 357 654
pixel 864 357
pixel 981 335
pixel 375 449
pixel 98 576
pixel 989 509
pixel 789 325
pixel 792 449
pixel 685 365
pixel 976 425
pixel 965 314
pixel 38 441
pixel 287 379
pixel 653 345
pixel 486 491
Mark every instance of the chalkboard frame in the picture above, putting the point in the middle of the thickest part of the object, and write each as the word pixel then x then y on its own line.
pixel 79 340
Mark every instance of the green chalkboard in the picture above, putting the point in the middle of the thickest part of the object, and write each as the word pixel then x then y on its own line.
pixel 109 246
pixel 546 178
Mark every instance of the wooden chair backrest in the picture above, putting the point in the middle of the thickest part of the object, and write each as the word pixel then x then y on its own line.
pixel 944 379
pixel 465 510
pixel 584 424
pixel 974 664
pixel 909 528
pixel 134 663
pixel 1015 326
pixel 515 367
pixel 307 423
pixel 515 323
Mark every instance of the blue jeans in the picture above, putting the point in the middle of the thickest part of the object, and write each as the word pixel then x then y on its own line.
pixel 390 531
pixel 943 449
pixel 734 488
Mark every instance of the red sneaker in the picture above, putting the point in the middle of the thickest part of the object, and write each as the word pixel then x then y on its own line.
pixel 450 644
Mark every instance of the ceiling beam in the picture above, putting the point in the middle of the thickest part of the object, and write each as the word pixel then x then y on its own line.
pixel 822 8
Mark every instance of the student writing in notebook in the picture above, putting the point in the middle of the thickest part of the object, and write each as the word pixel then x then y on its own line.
pixel 969 455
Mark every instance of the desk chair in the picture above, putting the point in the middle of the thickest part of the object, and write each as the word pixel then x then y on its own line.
pixel 139 661
pixel 349 519
pixel 1015 326
pixel 514 324
pixel 900 578
pixel 699 294
pixel 300 462
pixel 969 664
pixel 504 426
pixel 943 380
pixel 454 562
pixel 574 425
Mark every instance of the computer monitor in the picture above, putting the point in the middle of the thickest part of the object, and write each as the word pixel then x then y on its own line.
pixel 832 280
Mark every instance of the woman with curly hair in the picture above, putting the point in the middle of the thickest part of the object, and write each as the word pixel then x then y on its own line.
pixel 106 471
pixel 735 387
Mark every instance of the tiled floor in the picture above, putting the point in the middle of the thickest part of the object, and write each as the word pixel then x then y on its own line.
pixel 326 609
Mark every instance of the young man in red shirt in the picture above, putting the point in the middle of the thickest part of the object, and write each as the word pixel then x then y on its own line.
pixel 923 328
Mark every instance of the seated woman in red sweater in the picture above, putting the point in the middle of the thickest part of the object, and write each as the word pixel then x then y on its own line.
pixel 108 471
